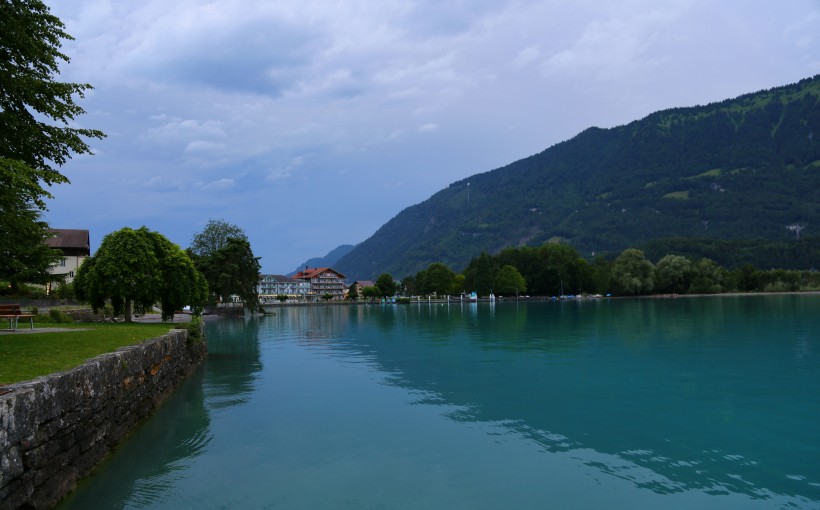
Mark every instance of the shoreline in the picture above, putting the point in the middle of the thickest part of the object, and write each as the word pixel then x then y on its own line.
pixel 273 306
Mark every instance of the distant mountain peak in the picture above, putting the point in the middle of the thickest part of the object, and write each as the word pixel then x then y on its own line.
pixel 327 261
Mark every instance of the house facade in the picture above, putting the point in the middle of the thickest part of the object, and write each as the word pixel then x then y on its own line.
pixel 323 281
pixel 358 285
pixel 273 285
pixel 75 245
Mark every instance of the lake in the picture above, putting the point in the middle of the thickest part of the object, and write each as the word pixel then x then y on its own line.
pixel 625 403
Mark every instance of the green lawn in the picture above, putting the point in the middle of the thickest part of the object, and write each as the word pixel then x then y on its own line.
pixel 25 356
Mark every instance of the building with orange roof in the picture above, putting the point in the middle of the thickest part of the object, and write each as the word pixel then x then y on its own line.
pixel 323 281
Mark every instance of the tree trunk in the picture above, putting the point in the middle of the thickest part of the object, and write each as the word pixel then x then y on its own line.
pixel 127 309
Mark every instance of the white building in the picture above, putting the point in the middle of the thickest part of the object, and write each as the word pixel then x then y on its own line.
pixel 273 285
pixel 75 246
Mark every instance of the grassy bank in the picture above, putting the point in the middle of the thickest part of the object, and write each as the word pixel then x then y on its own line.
pixel 25 356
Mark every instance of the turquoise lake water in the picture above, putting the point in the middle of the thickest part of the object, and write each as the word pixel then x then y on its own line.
pixel 655 403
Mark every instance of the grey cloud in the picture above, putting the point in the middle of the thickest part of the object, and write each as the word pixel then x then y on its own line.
pixel 263 57
pixel 251 99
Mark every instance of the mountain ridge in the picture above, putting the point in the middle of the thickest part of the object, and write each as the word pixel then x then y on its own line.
pixel 741 168
pixel 328 260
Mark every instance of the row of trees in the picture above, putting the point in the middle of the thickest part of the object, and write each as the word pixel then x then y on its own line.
pixel 558 269
pixel 136 269
pixel 38 134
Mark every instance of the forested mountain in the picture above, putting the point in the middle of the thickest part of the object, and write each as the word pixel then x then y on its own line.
pixel 743 169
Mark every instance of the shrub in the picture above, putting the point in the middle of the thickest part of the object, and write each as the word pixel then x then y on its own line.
pixel 59 316
pixel 196 333
pixel 43 318
pixel 64 290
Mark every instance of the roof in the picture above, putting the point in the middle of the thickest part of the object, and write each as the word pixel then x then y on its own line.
pixel 364 283
pixel 70 239
pixel 315 272
pixel 279 278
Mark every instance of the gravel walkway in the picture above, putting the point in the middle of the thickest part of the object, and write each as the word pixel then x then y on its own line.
pixel 23 329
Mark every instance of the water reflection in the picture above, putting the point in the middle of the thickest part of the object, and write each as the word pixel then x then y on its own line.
pixel 144 470
pixel 147 466
pixel 310 324
pixel 671 394
pixel 233 361
pixel 337 406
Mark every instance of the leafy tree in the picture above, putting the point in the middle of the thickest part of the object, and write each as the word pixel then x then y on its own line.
pixel 353 293
pixel 707 277
pixel 281 298
pixel 480 274
pixel 438 279
pixel 64 290
pixel 36 134
pixel 601 274
pixel 458 284
pixel 561 270
pixel 632 274
pixel 327 297
pixel 371 292
pixel 137 268
pixel 509 281
pixel 410 285
pixel 420 282
pixel 232 269
pixel 30 96
pixel 780 280
pixel 673 273
pixel 745 278
pixel 214 237
pixel 24 255
pixel 386 285
pixel 180 283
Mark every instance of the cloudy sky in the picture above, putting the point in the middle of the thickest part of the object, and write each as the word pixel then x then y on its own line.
pixel 311 123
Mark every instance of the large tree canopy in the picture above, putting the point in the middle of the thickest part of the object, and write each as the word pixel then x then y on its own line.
pixel 632 274
pixel 222 253
pixel 31 99
pixel 24 255
pixel 214 237
pixel 140 267
pixel 509 282
pixel 232 270
pixel 386 285
pixel 436 279
pixel 36 133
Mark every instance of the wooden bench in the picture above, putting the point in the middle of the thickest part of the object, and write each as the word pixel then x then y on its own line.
pixel 14 313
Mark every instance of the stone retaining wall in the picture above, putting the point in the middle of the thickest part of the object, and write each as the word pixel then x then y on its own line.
pixel 54 430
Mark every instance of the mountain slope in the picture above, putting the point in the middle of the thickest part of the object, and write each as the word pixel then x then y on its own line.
pixel 744 168
pixel 328 260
